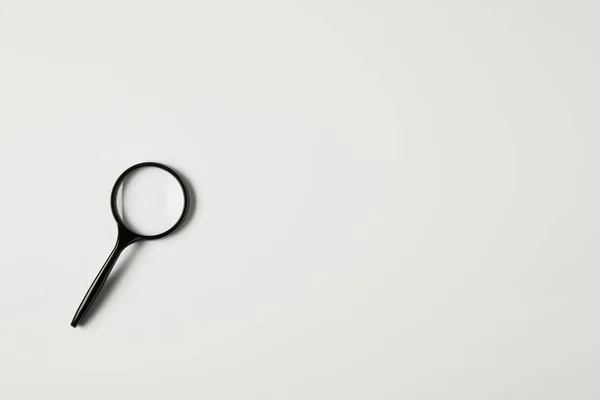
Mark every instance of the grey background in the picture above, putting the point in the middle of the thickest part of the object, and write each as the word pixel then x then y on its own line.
pixel 396 199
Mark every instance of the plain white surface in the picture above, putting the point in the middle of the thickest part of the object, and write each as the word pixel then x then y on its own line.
pixel 396 199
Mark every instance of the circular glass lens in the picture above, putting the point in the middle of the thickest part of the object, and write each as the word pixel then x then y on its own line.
pixel 150 201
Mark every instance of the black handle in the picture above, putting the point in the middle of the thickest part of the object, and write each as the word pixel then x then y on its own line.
pixel 124 239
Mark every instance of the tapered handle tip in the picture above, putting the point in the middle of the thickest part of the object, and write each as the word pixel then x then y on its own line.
pixel 75 321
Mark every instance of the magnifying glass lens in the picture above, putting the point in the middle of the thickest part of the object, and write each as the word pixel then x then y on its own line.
pixel 150 201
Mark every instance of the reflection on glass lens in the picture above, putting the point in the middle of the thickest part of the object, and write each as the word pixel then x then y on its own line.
pixel 150 201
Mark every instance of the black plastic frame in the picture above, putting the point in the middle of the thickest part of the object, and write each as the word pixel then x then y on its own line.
pixel 115 193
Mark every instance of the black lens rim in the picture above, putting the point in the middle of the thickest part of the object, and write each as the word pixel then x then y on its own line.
pixel 178 178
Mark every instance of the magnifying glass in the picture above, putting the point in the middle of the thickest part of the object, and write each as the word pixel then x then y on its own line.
pixel 149 201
